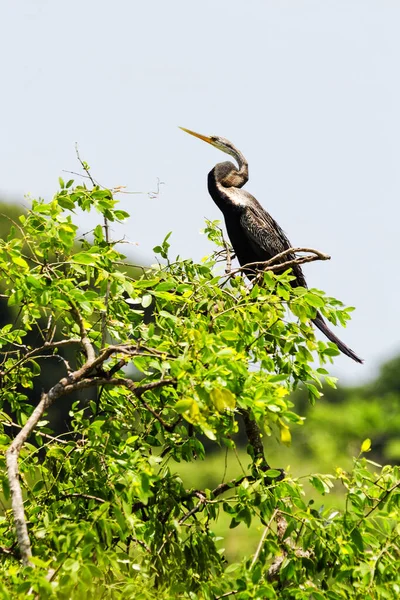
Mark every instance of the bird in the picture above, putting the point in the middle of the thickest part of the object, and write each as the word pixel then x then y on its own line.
pixel 254 234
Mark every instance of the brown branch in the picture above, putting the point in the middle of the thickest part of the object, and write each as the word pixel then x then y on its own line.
pixel 140 542
pixel 254 437
pixel 85 341
pixel 17 502
pixel 217 491
pixel 167 426
pixel 228 485
pixel 10 551
pixel 286 545
pixel 273 263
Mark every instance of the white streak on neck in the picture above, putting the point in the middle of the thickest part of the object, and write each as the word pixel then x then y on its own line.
pixel 234 196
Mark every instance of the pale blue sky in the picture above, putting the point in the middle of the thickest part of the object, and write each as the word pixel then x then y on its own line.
pixel 308 90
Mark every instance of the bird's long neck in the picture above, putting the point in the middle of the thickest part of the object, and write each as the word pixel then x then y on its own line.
pixel 226 179
pixel 242 175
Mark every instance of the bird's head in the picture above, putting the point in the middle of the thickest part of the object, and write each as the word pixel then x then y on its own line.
pixel 218 142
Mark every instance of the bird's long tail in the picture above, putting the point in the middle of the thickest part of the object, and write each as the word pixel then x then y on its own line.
pixel 322 326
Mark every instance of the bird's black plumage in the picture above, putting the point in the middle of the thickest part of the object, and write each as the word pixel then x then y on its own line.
pixel 254 234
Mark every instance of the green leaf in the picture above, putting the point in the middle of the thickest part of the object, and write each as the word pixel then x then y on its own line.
pixel 146 300
pixel 317 483
pixel 66 202
pixel 314 300
pixel 366 445
pixel 146 283
pixel 34 281
pixel 84 258
pixel 229 335
pixel 21 262
pixel 121 215
pixel 286 436
pixel 183 405
pixel 209 433
pixel 272 473
pixel 357 539
pixel 223 399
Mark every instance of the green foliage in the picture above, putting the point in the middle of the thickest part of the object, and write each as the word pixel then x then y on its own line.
pixel 107 516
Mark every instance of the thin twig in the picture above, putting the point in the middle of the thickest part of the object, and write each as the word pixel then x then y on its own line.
pixel 217 491
pixel 168 427
pixel 46 346
pixel 382 499
pixel 46 436
pixel 140 542
pixel 226 594
pixel 84 165
pixel 85 496
pixel 264 535
pixel 228 268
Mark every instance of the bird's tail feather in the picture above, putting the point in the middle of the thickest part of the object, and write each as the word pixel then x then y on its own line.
pixel 322 326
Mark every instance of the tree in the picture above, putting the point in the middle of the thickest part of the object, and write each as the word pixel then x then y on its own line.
pixel 97 511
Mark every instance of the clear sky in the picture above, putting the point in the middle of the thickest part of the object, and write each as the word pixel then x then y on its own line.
pixel 308 90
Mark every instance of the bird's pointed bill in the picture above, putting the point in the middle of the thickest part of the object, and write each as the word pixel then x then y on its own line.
pixel 198 135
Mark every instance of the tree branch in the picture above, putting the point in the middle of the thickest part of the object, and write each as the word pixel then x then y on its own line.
pixel 273 263
pixel 86 343
pixel 46 346
pixel 254 437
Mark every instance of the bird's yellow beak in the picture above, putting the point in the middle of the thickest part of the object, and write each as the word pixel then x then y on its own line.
pixel 198 135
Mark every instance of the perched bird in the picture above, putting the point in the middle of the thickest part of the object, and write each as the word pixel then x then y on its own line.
pixel 254 234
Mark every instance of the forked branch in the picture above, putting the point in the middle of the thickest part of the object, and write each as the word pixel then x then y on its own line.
pixel 277 262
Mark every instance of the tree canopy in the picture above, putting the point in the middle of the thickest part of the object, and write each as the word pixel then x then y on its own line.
pixel 183 355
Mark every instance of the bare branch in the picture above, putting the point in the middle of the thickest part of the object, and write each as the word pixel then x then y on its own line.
pixel 273 263
pixel 84 165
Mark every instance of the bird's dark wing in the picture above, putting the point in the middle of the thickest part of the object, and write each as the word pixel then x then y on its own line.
pixel 266 237
pixel 263 232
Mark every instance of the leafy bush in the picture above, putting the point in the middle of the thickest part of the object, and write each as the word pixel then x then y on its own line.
pixel 97 512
